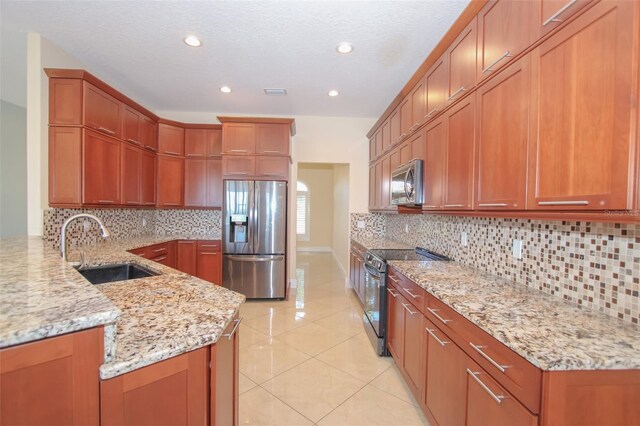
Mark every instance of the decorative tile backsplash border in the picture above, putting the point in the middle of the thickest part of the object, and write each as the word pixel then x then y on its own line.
pixel 592 264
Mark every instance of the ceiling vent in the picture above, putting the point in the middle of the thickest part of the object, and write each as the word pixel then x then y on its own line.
pixel 275 92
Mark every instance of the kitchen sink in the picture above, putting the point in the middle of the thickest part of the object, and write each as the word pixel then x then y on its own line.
pixel 119 272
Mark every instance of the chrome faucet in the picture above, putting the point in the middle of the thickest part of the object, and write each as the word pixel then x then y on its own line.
pixel 63 233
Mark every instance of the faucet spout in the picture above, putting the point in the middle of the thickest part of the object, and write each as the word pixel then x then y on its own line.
pixel 63 232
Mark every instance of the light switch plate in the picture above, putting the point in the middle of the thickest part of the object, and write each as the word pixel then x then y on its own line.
pixel 86 225
pixel 144 222
pixel 463 239
pixel 361 224
pixel 517 249
pixel 406 228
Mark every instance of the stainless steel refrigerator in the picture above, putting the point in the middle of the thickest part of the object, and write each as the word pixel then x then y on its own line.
pixel 254 238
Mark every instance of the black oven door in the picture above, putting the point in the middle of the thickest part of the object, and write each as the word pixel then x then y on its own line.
pixel 374 300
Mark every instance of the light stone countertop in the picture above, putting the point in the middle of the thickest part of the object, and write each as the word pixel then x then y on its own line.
pixel 550 333
pixel 155 318
pixel 373 243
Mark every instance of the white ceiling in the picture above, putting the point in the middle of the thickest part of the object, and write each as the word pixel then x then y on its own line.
pixel 137 46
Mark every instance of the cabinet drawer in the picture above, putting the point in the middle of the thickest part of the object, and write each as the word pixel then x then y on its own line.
pixel 157 250
pixel 164 259
pixel 410 290
pixel 208 245
pixel 142 252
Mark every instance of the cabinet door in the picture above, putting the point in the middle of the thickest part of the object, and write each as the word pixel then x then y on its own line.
pixel 435 82
pixel 378 138
pixel 214 142
pixel 416 145
pixel 195 183
pixel 167 393
pixel 550 14
pixel 385 183
pixel 372 149
pixel 149 134
pixel 405 152
pixel 394 126
pixel 100 169
pixel 504 30
pixel 445 392
pixel 53 381
pixel 386 136
pixel 434 164
pixel 272 139
pixel 131 125
pixel 272 167
pixel 238 138
pixel 394 159
pixel 65 101
pixel 214 183
pixel 459 156
pixel 238 166
pixel 170 139
pixel 503 139
pixel 187 257
pixel 148 178
pixel 414 354
pixel 224 377
pixel 581 146
pixel 372 187
pixel 195 143
pixel 170 181
pixel 395 324
pixel 406 117
pixel 378 185
pixel 101 111
pixel 461 63
pixel 417 105
pixel 65 165
pixel 209 266
pixel 490 403
pixel 131 174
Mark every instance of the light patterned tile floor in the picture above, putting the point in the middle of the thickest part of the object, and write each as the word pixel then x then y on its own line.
pixel 308 361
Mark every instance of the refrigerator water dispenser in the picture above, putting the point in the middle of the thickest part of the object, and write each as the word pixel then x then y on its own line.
pixel 238 231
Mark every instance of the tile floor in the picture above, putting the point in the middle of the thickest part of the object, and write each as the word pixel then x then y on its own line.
pixel 307 360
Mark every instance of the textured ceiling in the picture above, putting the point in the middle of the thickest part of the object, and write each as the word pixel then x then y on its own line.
pixel 137 46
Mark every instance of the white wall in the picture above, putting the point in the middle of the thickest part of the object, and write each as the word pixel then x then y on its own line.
pixel 319 180
pixel 341 194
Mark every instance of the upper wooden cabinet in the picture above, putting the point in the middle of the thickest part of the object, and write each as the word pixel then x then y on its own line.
pixel 434 161
pixel 147 178
pixel 502 137
pixel 394 127
pixel 378 139
pixel 372 149
pixel 238 166
pixel 435 86
pixel 504 31
pixel 549 14
pixel 272 167
pixel 101 111
pixel 65 102
pixel 100 169
pixel 272 139
pixel 406 117
pixel 386 136
pixel 372 187
pixel 170 140
pixel 203 183
pixel 170 189
pixel 238 138
pixel 65 166
pixel 149 134
pixel 461 63
pixel 417 106
pixel 131 175
pixel 131 125
pixel 459 121
pixel 202 143
pixel 581 112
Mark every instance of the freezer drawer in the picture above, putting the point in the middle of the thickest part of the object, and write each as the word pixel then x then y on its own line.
pixel 257 277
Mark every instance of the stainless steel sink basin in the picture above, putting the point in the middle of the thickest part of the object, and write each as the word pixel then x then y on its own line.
pixel 118 272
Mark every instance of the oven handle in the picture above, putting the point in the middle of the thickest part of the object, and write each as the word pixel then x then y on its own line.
pixel 372 271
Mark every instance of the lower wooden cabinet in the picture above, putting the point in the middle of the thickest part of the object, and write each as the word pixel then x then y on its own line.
pixel 209 261
pixel 53 381
pixel 357 272
pixel 225 376
pixel 187 257
pixel 395 324
pixel 413 347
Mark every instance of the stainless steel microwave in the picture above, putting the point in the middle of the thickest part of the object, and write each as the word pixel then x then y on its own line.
pixel 406 184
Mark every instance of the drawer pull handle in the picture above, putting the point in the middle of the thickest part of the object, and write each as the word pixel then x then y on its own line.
pixel 564 203
pixel 392 293
pixel 172 153
pixel 235 328
pixel 209 252
pixel 415 296
pixel 160 249
pixel 430 113
pixel 454 205
pixel 209 246
pixel 133 141
pixel 408 310
pixel 456 93
pixel 195 155
pixel 171 204
pixel 478 349
pixel 160 259
pixel 493 205
pixel 150 148
pixel 106 201
pixel 105 130
pixel 435 314
pixel 392 278
pixel 271 151
pixel 554 17
pixel 504 55
pixel 496 398
pixel 239 150
pixel 441 342
pixel 271 174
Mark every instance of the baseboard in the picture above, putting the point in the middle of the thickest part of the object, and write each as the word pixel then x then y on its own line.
pixel 315 249
pixel 340 265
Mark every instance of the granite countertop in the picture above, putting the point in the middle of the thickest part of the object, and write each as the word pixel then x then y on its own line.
pixel 155 317
pixel 379 243
pixel 550 333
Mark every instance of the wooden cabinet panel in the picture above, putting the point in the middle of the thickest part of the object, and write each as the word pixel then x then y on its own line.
pixel 378 184
pixel 65 165
pixel 580 154
pixel 385 183
pixel 187 257
pixel 131 125
pixel 395 324
pixel 434 162
pixel 272 139
pixel 386 136
pixel 409 289
pixel 238 138
pixel 214 142
pixel 195 143
pixel 378 139
pixel 435 82
pixel 101 111
pixel 167 393
pixel 214 183
pixel 394 126
pixel 549 14
pixel 405 152
pixel 209 265
pixel 417 105
pixel 489 403
pixel 170 181
pixel 100 169
pixel 147 178
pixel 149 134
pixel 406 117
pixel 238 166
pixel 372 149
pixel 131 174
pixel 272 167
pixel 502 135
pixel 225 377
pixel 461 63
pixel 65 101
pixel 170 140
pixel 445 393
pixel 504 30
pixel 195 183
pixel 372 187
pixel 459 156
pixel 414 354
pixel 417 146
pixel 394 159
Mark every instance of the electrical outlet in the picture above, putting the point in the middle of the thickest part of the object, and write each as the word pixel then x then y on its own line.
pixel 361 224
pixel 517 249
pixel 144 222
pixel 406 228
pixel 86 225
pixel 463 239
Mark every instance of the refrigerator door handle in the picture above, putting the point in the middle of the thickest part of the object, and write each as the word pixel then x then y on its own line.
pixel 256 259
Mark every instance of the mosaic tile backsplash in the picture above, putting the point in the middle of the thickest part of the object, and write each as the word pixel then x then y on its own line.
pixel 592 264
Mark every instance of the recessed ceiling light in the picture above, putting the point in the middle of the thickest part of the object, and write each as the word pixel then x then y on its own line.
pixel 333 93
pixel 192 41
pixel 225 89
pixel 344 48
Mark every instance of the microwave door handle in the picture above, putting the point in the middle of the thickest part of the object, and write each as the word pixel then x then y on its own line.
pixel 406 179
